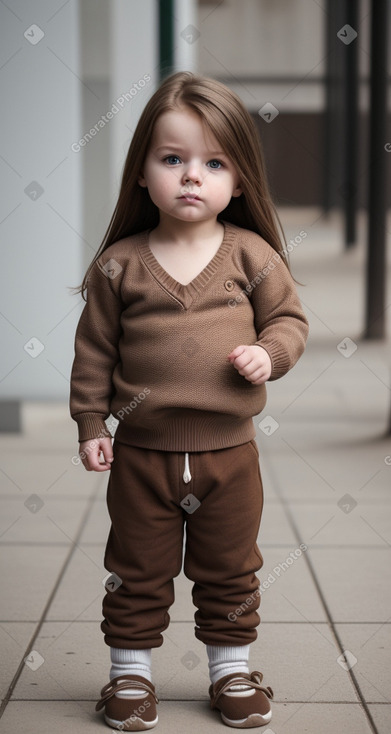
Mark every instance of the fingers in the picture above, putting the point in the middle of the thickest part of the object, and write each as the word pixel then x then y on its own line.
pixel 241 357
pixel 252 362
pixel 107 450
pixel 96 465
pixel 236 352
pixel 90 452
pixel 258 376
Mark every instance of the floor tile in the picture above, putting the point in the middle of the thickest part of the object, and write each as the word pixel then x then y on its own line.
pixel 187 717
pixel 29 575
pixel 75 663
pixel 370 644
pixel 317 465
pixel 288 591
pixel 381 714
pixel 320 718
pixel 353 582
pixel 41 519
pixel 81 591
pixel 97 526
pixel 43 472
pixel 14 640
pixel 275 528
pixel 346 521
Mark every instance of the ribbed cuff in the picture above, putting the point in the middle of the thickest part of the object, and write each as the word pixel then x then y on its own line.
pixel 124 655
pixel 130 662
pixel 279 357
pixel 91 425
pixel 227 653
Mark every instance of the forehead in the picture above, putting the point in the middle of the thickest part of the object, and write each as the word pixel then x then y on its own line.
pixel 183 126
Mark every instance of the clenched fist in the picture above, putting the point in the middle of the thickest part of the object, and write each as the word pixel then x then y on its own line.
pixel 253 362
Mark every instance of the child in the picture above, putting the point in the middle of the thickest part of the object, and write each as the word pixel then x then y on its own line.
pixel 191 308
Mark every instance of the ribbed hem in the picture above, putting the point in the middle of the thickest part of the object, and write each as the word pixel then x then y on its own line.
pixel 91 425
pixel 189 431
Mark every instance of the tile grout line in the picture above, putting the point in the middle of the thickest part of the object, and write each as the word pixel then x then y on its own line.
pixel 49 602
pixel 198 700
pixel 90 543
pixel 295 530
pixel 374 622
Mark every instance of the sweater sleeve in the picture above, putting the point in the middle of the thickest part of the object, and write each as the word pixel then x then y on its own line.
pixel 280 322
pixel 96 355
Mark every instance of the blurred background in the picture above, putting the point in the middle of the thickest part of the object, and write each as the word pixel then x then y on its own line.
pixel 315 76
pixel 74 85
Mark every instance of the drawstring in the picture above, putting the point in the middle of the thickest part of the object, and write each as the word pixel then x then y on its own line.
pixel 186 473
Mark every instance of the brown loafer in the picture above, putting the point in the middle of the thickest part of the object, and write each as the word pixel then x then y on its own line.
pixel 129 714
pixel 242 711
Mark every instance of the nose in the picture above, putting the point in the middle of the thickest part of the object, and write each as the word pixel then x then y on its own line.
pixel 193 173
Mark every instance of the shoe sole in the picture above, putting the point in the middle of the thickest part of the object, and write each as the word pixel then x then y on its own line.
pixel 251 721
pixel 136 724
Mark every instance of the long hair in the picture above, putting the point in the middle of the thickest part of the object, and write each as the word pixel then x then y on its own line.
pixel 226 116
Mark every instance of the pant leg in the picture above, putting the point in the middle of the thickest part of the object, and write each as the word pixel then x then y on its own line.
pixel 144 546
pixel 222 555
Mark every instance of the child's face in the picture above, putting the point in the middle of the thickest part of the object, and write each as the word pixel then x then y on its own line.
pixel 185 161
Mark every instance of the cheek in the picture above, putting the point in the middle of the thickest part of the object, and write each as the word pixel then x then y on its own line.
pixel 163 178
pixel 225 189
pixel 161 186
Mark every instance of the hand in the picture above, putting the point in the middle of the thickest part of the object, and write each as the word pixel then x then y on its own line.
pixel 89 452
pixel 253 362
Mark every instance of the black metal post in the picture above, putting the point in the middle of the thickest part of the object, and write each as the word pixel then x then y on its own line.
pixel 166 37
pixel 376 247
pixel 351 126
pixel 335 187
pixel 328 111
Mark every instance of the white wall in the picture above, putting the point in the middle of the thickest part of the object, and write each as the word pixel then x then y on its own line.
pixel 186 34
pixel 134 57
pixel 53 92
pixel 40 230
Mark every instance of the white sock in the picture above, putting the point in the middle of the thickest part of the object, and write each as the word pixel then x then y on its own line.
pixel 130 662
pixel 224 660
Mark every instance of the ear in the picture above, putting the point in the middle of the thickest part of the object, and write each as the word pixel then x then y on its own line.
pixel 141 181
pixel 237 191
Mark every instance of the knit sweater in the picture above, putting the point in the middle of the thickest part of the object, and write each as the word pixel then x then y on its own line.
pixel 153 352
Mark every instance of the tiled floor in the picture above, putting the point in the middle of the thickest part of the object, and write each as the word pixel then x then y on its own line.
pixel 327 482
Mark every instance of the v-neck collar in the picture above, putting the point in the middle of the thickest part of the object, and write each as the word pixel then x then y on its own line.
pixel 185 294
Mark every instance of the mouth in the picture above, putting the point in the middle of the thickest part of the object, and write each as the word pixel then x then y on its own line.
pixel 189 192
pixel 190 197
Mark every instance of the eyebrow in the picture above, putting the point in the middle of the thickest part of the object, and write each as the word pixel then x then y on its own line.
pixel 174 146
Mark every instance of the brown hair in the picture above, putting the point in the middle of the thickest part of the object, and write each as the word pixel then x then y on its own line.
pixel 226 116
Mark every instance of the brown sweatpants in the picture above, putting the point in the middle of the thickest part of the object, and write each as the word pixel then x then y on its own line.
pixel 221 506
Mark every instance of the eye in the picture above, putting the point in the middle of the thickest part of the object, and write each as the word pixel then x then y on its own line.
pixel 215 164
pixel 172 160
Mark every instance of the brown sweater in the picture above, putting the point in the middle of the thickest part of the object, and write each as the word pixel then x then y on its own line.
pixel 153 352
